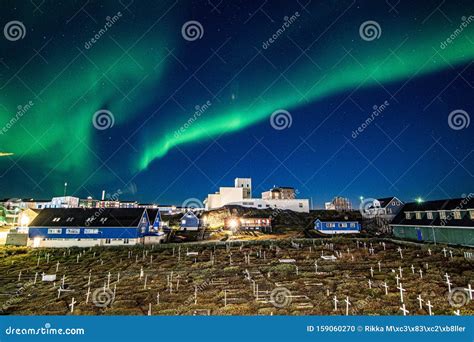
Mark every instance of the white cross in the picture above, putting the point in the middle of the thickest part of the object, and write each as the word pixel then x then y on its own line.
pixel 370 284
pixel 444 251
pixel 400 269
pixel 72 304
pixel 335 303
pixel 429 251
pixel 421 273
pixel 449 285
pixel 457 312
pixel 149 309
pixel 400 250
pixel 316 266
pixel 372 272
pixel 347 305
pixel 446 276
pixel 141 272
pixel 383 244
pixel 386 287
pixel 451 253
pixel 429 308
pixel 469 290
pixel 398 279
pixel 88 294
pixel 64 278
pixel 412 269
pixel 380 269
pixel 57 267
pixel 420 301
pixel 404 310
pixel 118 277
pixel 108 280
pixel 401 291
pixel 158 298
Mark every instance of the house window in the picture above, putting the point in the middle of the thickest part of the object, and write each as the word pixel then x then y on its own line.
pixel 442 215
pixel 70 219
pixel 54 231
pixel 353 225
pixel 103 219
pixel 107 241
pixel 330 225
pixel 471 214
pixel 408 216
pixel 429 215
pixel 457 214
pixel 91 231
pixel 183 221
pixel 73 231
pixel 300 205
pixel 56 219
pixel 125 241
pixel 418 216
pixel 343 225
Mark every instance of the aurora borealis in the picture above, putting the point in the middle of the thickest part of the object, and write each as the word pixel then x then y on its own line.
pixel 74 61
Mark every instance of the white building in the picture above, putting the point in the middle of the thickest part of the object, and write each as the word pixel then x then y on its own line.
pixel 243 187
pixel 246 185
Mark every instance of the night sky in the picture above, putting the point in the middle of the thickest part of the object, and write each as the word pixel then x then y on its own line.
pixel 177 98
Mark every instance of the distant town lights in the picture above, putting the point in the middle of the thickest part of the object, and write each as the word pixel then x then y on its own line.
pixel 233 223
pixel 419 200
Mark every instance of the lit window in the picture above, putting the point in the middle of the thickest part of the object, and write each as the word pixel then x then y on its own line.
pixel 442 215
pixel 54 231
pixel 418 216
pixel 56 219
pixel 343 225
pixel 429 215
pixel 107 241
pixel 73 231
pixel 183 221
pixel 125 241
pixel 471 214
pixel 457 214
pixel 408 216
pixel 91 231
pixel 103 219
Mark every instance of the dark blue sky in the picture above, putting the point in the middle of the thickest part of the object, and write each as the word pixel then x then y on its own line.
pixel 315 70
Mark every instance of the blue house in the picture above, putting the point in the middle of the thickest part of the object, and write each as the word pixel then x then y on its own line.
pixel 67 227
pixel 189 222
pixel 337 226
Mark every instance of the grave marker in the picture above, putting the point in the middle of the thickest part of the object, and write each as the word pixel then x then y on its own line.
pixel 72 304
pixel 420 301
pixel 404 310
pixel 429 308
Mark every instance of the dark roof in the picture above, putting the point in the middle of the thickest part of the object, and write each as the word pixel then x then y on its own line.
pixel 152 214
pixel 385 201
pixel 445 204
pixel 114 217
pixel 340 219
